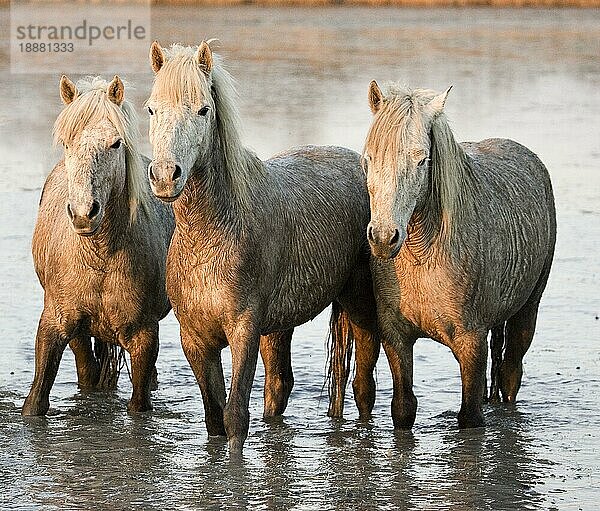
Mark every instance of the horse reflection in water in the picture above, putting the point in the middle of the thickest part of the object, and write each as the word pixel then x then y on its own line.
pixel 259 247
pixel 464 235
pixel 99 245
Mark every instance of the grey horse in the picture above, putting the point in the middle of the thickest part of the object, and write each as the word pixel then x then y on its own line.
pixel 99 246
pixel 464 237
pixel 259 247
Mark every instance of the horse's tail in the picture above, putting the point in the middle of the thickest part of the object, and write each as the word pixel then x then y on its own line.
pixel 341 341
pixel 497 349
pixel 111 359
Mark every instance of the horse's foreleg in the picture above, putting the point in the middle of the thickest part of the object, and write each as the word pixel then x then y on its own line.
pixel 244 342
pixel 470 349
pixel 519 334
pixel 205 360
pixel 143 349
pixel 49 347
pixel 366 356
pixel 88 368
pixel 404 401
pixel 275 350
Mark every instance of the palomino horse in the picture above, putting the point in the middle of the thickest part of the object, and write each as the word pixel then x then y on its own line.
pixel 99 246
pixel 259 247
pixel 464 235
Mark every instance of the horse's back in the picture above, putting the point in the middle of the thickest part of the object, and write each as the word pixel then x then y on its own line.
pixel 317 209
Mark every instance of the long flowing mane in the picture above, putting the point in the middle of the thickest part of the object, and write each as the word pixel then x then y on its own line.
pixel 182 81
pixel 401 120
pixel 91 105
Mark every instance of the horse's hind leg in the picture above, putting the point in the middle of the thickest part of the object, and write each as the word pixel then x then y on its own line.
pixel 49 347
pixel 496 348
pixel 470 349
pixel 143 349
pixel 275 350
pixel 367 354
pixel 88 368
pixel 519 334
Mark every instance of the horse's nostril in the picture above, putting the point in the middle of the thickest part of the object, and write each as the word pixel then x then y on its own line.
pixel 370 233
pixel 94 210
pixel 150 173
pixel 69 211
pixel 177 172
pixel 395 237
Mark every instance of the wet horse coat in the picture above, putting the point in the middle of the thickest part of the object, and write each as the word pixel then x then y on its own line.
pixel 464 235
pixel 259 247
pixel 99 245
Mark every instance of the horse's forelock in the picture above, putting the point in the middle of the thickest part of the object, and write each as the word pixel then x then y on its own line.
pixel 181 80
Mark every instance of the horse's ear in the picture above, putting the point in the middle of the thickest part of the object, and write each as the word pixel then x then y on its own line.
pixel 204 56
pixel 68 91
pixel 376 98
pixel 157 57
pixel 116 91
pixel 436 105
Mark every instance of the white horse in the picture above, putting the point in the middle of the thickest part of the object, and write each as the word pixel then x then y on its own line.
pixel 465 238
pixel 259 247
pixel 99 245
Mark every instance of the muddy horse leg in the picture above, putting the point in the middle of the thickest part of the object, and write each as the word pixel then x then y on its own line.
pixel 519 334
pixel 244 342
pixel 49 347
pixel 404 401
pixel 275 350
pixel 470 349
pixel 205 360
pixel 496 348
pixel 366 356
pixel 88 368
pixel 143 349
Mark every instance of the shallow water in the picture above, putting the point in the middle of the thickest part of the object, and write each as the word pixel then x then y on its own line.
pixel 532 75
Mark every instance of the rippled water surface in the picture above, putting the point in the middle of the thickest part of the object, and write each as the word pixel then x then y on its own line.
pixel 532 75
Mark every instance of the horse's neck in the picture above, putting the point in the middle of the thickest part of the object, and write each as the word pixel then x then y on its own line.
pixel 215 200
pixel 423 235
pixel 435 226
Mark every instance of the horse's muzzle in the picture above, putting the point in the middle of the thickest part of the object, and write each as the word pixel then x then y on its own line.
pixel 385 244
pixel 166 179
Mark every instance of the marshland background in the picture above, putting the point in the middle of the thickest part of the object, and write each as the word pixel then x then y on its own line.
pixel 529 74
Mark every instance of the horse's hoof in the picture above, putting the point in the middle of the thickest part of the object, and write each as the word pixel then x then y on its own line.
pixel 139 406
pixel 470 420
pixel 404 422
pixel 34 409
pixel 236 445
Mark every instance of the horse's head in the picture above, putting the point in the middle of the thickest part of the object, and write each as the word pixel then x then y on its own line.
pixel 181 111
pixel 94 150
pixel 397 157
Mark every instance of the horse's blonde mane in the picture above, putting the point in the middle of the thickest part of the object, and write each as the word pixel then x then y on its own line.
pixel 182 82
pixel 402 119
pixel 92 105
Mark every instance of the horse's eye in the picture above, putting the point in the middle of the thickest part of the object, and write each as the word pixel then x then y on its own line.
pixel 116 145
pixel 422 162
pixel 150 111
pixel 203 111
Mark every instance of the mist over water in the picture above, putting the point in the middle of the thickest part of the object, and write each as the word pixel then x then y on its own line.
pixel 303 74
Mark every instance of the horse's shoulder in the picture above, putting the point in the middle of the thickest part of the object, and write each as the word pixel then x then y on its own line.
pixel 54 181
